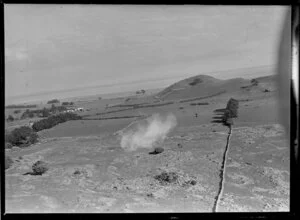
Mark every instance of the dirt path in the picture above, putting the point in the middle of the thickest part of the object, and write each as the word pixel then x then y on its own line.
pixel 222 174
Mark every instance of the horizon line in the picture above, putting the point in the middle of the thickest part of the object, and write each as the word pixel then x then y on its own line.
pixel 132 82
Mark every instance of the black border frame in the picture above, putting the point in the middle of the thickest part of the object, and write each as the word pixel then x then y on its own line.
pixel 294 126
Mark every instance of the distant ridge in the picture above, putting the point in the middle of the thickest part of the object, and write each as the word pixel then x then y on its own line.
pixel 204 85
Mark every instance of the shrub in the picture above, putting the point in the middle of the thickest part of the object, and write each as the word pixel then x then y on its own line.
pixel 8 145
pixel 8 162
pixel 23 137
pixel 39 168
pixel 10 118
pixel 167 177
pixel 54 120
pixel 28 114
pixel 157 150
pixel 17 111
pixel 195 82
pixel 254 82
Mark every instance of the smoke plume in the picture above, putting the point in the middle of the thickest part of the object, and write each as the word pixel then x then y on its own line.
pixel 145 134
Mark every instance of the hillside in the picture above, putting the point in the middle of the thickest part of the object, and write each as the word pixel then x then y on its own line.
pixel 203 85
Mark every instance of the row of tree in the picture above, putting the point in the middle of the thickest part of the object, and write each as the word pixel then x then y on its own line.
pixel 53 101
pixel 21 106
pixel 67 103
pixel 45 112
pixel 54 120
pixel 230 112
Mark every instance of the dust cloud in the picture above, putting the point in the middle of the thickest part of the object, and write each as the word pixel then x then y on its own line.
pixel 145 135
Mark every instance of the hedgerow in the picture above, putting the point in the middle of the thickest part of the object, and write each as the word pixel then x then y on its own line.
pixel 54 120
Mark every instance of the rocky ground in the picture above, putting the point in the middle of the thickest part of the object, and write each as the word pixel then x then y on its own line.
pixel 93 174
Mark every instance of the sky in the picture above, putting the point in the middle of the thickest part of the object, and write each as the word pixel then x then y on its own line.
pixel 118 48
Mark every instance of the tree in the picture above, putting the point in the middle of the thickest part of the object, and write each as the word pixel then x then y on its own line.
pixel 22 136
pixel 31 115
pixel 45 112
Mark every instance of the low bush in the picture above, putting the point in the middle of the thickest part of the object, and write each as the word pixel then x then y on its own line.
pixel 54 120
pixel 157 150
pixel 167 177
pixel 254 82
pixel 8 145
pixel 39 168
pixel 21 137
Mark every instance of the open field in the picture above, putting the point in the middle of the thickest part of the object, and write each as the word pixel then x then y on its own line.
pixel 90 171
